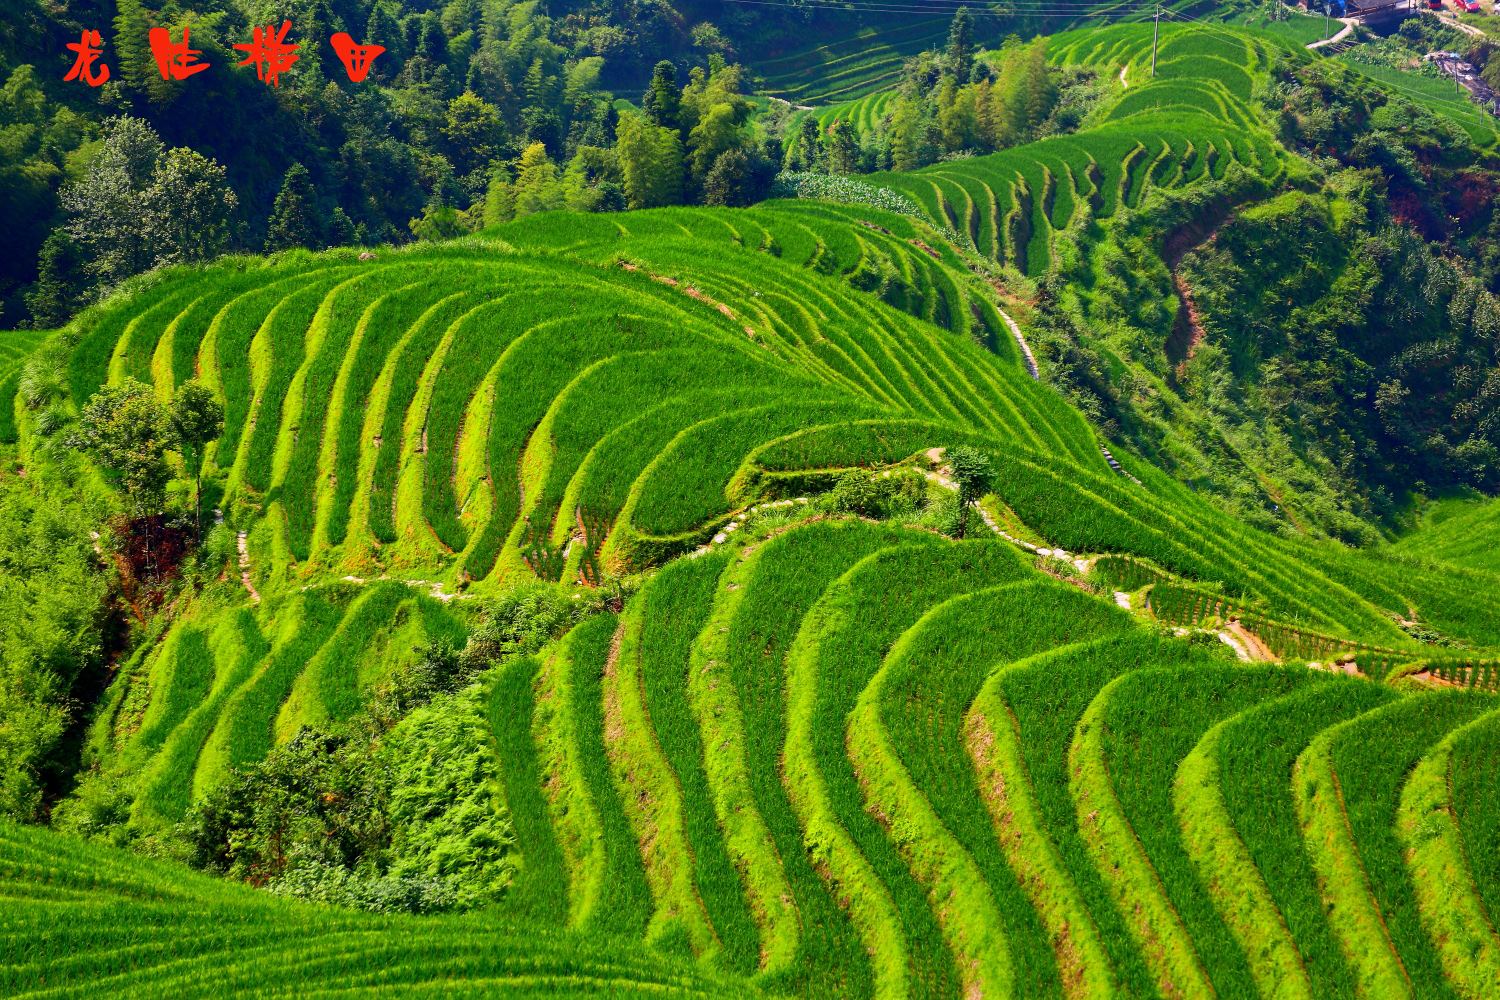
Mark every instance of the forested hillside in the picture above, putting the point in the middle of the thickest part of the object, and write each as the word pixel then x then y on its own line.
pixel 730 502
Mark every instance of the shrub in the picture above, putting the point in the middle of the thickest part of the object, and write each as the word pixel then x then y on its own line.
pixel 881 495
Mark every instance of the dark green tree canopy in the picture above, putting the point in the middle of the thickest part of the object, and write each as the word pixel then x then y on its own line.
pixel 294 221
pixel 125 430
pixel 662 101
pixel 961 45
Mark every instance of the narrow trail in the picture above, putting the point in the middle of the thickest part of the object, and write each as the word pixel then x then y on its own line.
pixel 1114 464
pixel 1456 25
pixel 1122 77
pixel 1188 317
pixel 1015 331
pixel 242 543
pixel 1349 24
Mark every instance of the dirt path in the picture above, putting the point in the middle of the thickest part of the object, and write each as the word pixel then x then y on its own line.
pixel 243 544
pixel 1187 334
pixel 1027 357
pixel 1456 25
pixel 1348 23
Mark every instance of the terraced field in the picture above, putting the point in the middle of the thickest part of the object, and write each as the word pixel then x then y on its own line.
pixel 1185 127
pixel 81 920
pixel 1113 743
pixel 1434 95
pixel 864 114
pixel 831 757
pixel 860 63
pixel 15 345
pixel 1458 532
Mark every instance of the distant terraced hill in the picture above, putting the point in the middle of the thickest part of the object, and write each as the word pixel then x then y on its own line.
pixel 866 60
pixel 1186 125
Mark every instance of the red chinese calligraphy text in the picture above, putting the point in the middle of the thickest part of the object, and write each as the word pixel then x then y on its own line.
pixel 87 55
pixel 270 54
pixel 176 62
pixel 356 58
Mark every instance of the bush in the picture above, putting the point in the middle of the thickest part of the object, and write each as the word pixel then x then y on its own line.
pixel 881 496
pixel 408 820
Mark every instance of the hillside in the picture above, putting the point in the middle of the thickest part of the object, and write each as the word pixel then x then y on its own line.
pixel 856 594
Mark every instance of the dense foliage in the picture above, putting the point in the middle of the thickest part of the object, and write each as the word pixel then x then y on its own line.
pixel 55 633
pixel 1360 320
pixel 398 809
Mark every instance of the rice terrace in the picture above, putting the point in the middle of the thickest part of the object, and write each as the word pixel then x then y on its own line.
pixel 869 501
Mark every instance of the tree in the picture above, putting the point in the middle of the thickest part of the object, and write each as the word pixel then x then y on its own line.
pixel 906 132
pixel 127 432
pixel 473 131
pixel 1035 92
pixel 384 30
pixel 958 115
pixel 105 207
pixel 59 281
pixel 593 181
pixel 810 144
pixel 662 101
pixel 196 417
pixel 499 197
pixel 294 220
pixel 843 147
pixel 651 160
pixel 961 46
pixel 972 471
pixel 538 188
pixel 341 229
pixel 716 133
pixel 731 182
pixel 439 222
pixel 188 210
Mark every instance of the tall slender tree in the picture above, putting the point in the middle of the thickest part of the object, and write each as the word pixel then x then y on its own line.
pixel 961 46
pixel 294 220
pixel 196 417
pixel 662 101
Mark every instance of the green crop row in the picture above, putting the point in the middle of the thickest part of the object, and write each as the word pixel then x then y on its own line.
pixel 602 398
pixel 1150 722
pixel 1348 783
pixel 653 799
pixel 237 647
pixel 837 652
pixel 607 886
pixel 1048 697
pixel 1122 853
pixel 906 743
pixel 748 637
pixel 854 65
pixel 386 324
pixel 144 929
pixel 1447 897
pixel 1474 777
pixel 992 742
pixel 243 734
pixel 224 685
pixel 677 606
pixel 1253 754
pixel 394 393
pixel 539 894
